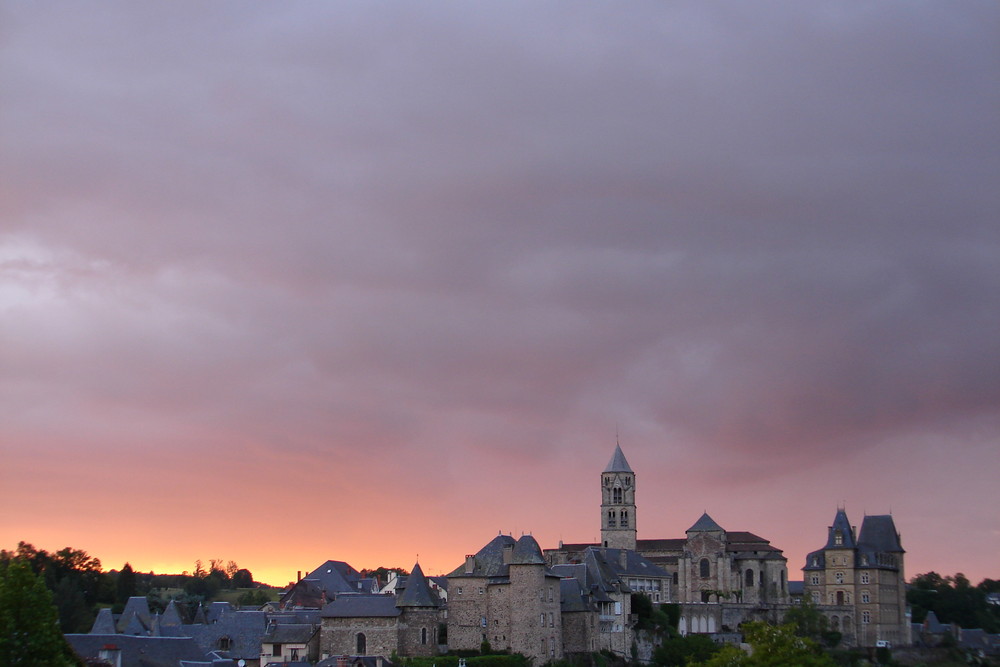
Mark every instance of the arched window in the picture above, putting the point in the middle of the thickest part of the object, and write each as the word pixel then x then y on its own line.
pixel 362 644
pixel 624 518
pixel 705 568
pixel 675 578
pixel 705 596
pixel 423 635
pixel 749 578
pixel 612 522
pixel 616 495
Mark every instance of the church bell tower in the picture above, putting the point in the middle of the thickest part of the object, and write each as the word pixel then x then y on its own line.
pixel 618 503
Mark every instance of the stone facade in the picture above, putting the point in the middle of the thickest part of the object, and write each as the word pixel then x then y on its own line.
pixel 858 581
pixel 505 595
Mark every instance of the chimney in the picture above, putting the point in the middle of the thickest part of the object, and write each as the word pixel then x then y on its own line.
pixel 378 661
pixel 298 577
pixel 470 564
pixel 112 654
pixel 508 552
pixel 623 558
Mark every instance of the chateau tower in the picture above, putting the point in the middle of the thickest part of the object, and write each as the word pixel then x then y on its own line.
pixel 618 503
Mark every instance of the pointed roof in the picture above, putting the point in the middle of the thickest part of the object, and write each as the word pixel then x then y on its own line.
pixel 704 524
pixel 878 534
pixel 137 606
pixel 842 526
pixel 418 592
pixel 618 462
pixel 527 552
pixel 104 624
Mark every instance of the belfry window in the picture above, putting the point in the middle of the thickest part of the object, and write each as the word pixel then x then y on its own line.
pixel 616 495
pixel 624 518
pixel 612 521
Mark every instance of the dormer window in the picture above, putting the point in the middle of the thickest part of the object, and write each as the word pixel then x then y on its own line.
pixel 838 538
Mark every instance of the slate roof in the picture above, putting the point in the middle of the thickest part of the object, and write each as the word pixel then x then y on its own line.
pixel 705 524
pixel 418 592
pixel 361 606
pixel 139 651
pixel 171 616
pixel 488 561
pixel 527 552
pixel 796 588
pixel 336 576
pixel 289 633
pixel 571 597
pixel 618 462
pixel 136 606
pixel 243 628
pixel 671 544
pixel 878 535
pixel 841 524
pixel 104 624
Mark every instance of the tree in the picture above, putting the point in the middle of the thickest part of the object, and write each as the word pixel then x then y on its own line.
pixel 243 579
pixel 681 651
pixel 771 646
pixel 29 623
pixel 125 586
pixel 811 623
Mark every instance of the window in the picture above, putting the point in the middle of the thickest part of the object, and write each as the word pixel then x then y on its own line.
pixel 814 580
pixel 423 635
pixel 839 577
pixel 362 644
pixel 815 597
pixel 865 597
pixel 275 649
pixel 293 654
pixel 552 621
pixel 459 590
pixel 749 579
pixel 624 518
pixel 550 594
pixel 838 538
pixel 705 568
pixel 864 577
pixel 481 590
pixel 542 621
pixel 675 577
pixel 612 523
pixel 866 617
pixel 706 596
pixel 616 495
pixel 225 643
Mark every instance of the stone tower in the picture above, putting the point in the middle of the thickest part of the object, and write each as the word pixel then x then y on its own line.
pixel 618 503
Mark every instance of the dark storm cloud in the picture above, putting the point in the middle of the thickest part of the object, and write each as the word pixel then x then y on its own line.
pixel 766 228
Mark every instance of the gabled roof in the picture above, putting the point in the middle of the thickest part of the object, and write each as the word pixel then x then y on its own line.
pixel 572 597
pixel 289 633
pixel 705 524
pixel 417 592
pixel 335 576
pixel 618 462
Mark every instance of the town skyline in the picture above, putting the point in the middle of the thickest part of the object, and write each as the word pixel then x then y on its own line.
pixel 281 282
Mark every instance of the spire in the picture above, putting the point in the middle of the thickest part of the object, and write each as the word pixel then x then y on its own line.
pixel 618 462
pixel 417 592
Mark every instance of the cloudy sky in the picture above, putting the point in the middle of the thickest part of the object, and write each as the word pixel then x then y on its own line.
pixel 286 282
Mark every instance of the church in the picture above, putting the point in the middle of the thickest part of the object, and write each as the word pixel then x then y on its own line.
pixel 722 578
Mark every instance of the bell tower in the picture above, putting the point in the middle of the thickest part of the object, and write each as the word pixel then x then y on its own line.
pixel 618 503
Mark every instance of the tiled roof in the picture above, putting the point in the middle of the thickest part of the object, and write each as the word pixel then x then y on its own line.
pixel 618 462
pixel 361 606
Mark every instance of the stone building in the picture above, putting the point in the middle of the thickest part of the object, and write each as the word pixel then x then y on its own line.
pixel 505 595
pixel 857 580
pixel 720 578
pixel 407 623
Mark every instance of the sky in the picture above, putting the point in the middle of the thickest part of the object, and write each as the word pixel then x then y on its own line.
pixel 289 282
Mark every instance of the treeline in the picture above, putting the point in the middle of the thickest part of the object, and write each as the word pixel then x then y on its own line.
pixel 80 586
pixel 954 600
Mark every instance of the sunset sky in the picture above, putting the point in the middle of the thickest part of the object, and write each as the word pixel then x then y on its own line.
pixel 289 282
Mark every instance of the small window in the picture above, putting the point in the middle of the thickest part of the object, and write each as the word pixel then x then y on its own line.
pixel 705 568
pixel 362 643
pixel 423 635
pixel 838 538
pixel 864 577
pixel 749 578
pixel 275 649
pixel 459 590
pixel 866 617
pixel 542 620
pixel 481 590
pixel 866 597
pixel 839 577
pixel 815 580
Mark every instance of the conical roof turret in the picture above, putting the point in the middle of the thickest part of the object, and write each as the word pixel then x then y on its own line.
pixel 417 592
pixel 618 462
